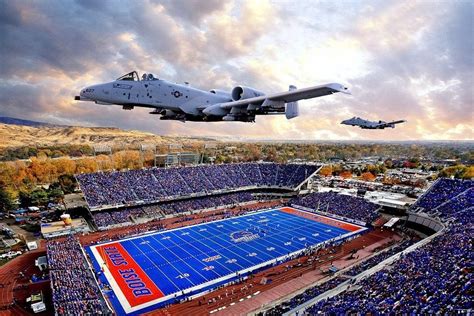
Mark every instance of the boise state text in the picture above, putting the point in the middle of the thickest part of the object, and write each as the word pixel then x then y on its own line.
pixel 131 278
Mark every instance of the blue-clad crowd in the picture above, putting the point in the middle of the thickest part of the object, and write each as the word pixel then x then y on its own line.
pixel 444 190
pixel 206 202
pixel 158 184
pixel 74 289
pixel 433 279
pixel 343 205
pixel 304 297
pixel 125 216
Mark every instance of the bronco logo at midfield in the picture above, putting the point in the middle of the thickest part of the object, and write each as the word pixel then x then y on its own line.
pixel 243 236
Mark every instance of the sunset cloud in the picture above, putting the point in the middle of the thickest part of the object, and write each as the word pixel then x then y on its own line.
pixel 402 60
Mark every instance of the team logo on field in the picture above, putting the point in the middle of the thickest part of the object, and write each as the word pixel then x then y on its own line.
pixel 213 258
pixel 243 236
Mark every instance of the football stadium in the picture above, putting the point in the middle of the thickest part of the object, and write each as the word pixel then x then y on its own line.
pixel 236 157
pixel 254 238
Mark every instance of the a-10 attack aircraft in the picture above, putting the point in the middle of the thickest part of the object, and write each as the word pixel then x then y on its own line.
pixel 184 103
pixel 365 124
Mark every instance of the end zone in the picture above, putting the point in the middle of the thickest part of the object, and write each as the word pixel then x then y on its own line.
pixel 131 284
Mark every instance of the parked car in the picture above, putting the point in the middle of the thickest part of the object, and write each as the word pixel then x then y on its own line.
pixel 10 254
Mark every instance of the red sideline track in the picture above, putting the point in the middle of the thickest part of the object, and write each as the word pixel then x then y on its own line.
pixel 322 219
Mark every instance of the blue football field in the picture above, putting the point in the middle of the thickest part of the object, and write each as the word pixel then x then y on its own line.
pixel 188 260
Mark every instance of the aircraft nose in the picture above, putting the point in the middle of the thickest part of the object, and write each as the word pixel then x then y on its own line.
pixel 88 92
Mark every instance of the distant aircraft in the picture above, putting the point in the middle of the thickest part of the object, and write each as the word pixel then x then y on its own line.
pixel 184 103
pixel 365 124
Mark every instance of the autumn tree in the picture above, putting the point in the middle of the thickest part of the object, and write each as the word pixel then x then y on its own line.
pixel 367 176
pixel 65 166
pixel 326 171
pixel 469 173
pixel 6 200
pixel 346 174
pixel 86 165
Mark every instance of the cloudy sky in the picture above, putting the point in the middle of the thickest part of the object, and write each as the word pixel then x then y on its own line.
pixel 401 59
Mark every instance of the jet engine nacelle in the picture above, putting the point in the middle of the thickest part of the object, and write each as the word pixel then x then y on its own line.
pixel 241 92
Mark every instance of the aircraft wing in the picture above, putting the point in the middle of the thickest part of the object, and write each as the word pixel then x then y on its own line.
pixel 289 96
pixel 389 124
pixel 397 122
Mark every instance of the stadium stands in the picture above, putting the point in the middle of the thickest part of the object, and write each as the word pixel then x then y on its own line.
pixel 125 216
pixel 442 191
pixel 332 283
pixel 154 185
pixel 433 279
pixel 206 202
pixel 436 278
pixel 75 291
pixel 305 296
pixel 339 204
pixel 375 260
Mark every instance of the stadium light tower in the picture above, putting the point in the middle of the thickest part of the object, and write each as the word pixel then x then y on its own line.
pixel 210 146
pixel 143 149
pixel 101 149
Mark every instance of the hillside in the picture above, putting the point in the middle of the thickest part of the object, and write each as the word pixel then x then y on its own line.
pixel 19 135
pixel 17 121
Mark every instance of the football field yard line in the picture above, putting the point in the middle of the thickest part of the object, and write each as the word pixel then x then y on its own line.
pixel 206 254
pixel 171 281
pixel 180 253
pixel 185 261
pixel 297 245
pixel 237 245
pixel 228 249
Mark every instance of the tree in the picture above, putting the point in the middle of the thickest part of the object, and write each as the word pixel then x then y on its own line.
pixel 6 200
pixel 55 193
pixel 469 173
pixel 67 183
pixel 65 166
pixel 326 171
pixel 367 176
pixel 346 174
pixel 39 197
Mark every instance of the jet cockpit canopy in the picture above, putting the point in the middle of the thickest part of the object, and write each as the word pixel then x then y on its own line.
pixel 131 76
pixel 148 77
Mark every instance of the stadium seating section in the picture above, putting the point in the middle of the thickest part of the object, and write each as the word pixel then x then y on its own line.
pixel 433 279
pixel 342 205
pixel 74 289
pixel 158 184
pixel 125 216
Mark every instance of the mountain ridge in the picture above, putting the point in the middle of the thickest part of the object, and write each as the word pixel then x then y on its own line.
pixel 19 133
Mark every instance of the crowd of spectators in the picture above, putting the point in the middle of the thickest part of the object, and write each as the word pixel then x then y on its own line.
pixel 304 297
pixel 205 202
pixel 339 204
pixel 332 283
pixel 442 191
pixel 433 279
pixel 375 260
pixel 74 289
pixel 159 184
pixel 129 215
